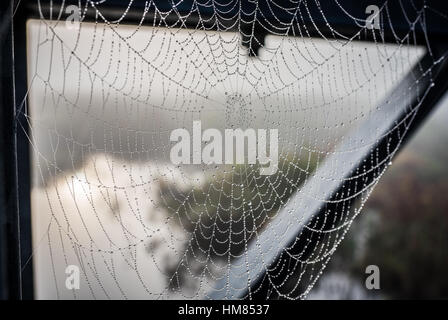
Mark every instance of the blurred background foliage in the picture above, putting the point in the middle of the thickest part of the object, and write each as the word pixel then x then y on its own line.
pixel 245 200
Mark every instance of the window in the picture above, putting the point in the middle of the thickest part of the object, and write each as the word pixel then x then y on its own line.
pixel 185 152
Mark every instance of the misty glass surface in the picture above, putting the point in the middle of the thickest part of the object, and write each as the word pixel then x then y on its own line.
pixel 102 103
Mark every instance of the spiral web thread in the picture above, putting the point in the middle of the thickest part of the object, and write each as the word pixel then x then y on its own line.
pixel 103 99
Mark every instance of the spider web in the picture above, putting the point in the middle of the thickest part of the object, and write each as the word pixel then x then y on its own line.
pixel 104 97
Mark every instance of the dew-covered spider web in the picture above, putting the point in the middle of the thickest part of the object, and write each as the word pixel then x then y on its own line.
pixel 106 93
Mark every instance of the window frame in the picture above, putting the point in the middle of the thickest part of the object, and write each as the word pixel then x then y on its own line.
pixel 16 268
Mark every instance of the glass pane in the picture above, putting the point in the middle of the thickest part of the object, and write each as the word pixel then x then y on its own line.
pixel 110 106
